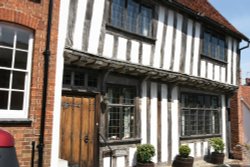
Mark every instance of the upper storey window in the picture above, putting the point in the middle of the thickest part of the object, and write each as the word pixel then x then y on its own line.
pixel 132 16
pixel 15 68
pixel 214 46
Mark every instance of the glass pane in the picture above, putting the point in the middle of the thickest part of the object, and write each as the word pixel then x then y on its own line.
pixel 133 11
pixel 146 17
pixel 114 123
pixel 5 78
pixel 4 99
pixel 222 50
pixel 206 44
pixel 79 79
pixel 22 40
pixel 21 60
pixel 129 95
pixel 67 77
pixel 18 80
pixel 117 16
pixel 5 57
pixel 114 95
pixel 214 47
pixel 6 36
pixel 16 101
pixel 92 80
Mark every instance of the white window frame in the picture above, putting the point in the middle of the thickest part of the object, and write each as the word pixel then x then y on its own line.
pixel 18 114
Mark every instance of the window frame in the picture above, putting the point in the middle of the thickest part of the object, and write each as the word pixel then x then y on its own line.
pixel 125 27
pixel 10 113
pixel 134 105
pixel 216 131
pixel 219 38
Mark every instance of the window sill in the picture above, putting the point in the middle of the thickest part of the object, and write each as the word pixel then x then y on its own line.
pixel 213 59
pixel 15 122
pixel 199 136
pixel 131 35
pixel 121 142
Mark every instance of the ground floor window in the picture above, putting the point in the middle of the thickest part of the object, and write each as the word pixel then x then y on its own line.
pixel 121 112
pixel 200 115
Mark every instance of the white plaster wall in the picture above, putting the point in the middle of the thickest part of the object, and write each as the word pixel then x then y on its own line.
pixel 153 118
pixel 157 55
pixel 144 113
pixel 178 43
pixel 229 57
pixel 146 53
pixel 234 62
pixel 246 123
pixel 80 16
pixel 122 48
pixel 132 156
pixel 210 71
pixel 95 26
pixel 196 48
pixel 175 122
pixel 106 162
pixel 120 161
pixel 216 73
pixel 189 46
pixel 169 40
pixel 223 119
pixel 223 74
pixel 108 46
pixel 203 68
pixel 164 123
pixel 134 55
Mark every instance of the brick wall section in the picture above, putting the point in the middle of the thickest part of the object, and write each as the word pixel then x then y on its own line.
pixel 34 16
pixel 237 119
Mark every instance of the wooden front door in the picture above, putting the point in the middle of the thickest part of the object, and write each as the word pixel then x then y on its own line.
pixel 78 138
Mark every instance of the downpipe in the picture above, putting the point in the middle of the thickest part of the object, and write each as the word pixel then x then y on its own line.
pixel 46 54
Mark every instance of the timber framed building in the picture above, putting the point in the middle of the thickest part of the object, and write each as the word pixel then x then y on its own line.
pixel 141 71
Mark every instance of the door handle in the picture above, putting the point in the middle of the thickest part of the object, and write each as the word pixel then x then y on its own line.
pixel 86 139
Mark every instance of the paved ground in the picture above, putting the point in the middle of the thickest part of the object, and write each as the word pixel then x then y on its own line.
pixel 227 163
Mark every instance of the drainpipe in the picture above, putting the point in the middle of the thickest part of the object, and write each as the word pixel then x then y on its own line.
pixel 247 46
pixel 46 54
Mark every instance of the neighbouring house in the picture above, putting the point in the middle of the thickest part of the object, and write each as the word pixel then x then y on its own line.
pixel 240 119
pixel 23 28
pixel 159 72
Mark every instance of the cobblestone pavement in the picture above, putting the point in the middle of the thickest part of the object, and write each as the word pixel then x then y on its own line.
pixel 227 163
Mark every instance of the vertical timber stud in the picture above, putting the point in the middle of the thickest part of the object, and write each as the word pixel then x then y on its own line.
pixel 45 85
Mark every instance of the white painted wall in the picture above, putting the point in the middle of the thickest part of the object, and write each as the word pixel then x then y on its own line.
pixel 144 113
pixel 146 54
pixel 164 123
pixel 120 161
pixel 234 62
pixel 95 26
pixel 132 157
pixel 189 46
pixel 203 68
pixel 153 118
pixel 62 31
pixel 178 43
pixel 229 60
pixel 196 48
pixel 175 122
pixel 122 48
pixel 108 46
pixel 224 119
pixel 157 55
pixel 168 41
pixel 134 55
pixel 106 162
pixel 80 16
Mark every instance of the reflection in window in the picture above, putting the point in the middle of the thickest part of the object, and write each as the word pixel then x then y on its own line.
pixel 213 46
pixel 121 115
pixel 15 53
pixel 132 16
pixel 200 115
